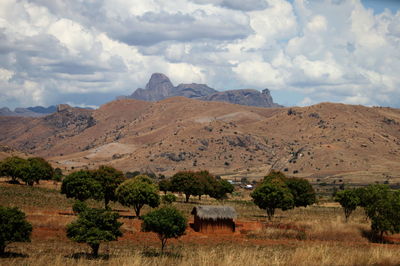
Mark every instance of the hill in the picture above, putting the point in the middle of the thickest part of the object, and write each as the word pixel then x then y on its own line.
pixel 335 140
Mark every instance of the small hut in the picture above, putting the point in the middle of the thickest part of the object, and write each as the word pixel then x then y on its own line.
pixel 214 219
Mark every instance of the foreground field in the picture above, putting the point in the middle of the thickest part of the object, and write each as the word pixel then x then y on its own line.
pixel 304 236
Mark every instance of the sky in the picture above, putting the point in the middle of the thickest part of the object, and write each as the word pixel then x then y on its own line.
pixel 87 52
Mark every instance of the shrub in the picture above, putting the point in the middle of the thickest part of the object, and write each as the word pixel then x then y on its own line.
pixel 13 227
pixel 168 198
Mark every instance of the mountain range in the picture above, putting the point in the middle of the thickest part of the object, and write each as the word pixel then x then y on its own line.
pixel 160 87
pixel 325 141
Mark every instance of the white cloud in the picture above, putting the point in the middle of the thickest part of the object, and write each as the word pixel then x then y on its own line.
pixel 324 50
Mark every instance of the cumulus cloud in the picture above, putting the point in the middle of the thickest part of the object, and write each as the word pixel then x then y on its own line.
pixel 87 52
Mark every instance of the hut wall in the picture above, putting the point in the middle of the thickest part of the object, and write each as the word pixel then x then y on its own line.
pixel 214 226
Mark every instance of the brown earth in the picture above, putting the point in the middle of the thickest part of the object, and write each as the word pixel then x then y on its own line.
pixel 355 143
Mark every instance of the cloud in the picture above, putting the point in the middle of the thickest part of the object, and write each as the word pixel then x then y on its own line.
pixel 87 52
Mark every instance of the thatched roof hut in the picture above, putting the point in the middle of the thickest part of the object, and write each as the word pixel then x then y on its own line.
pixel 214 219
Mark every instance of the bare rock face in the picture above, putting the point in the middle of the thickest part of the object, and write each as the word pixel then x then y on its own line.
pixel 62 107
pixel 160 87
pixel 248 97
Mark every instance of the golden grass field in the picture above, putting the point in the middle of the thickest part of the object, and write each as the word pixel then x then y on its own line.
pixel 316 235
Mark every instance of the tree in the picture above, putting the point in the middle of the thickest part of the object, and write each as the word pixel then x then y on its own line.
pixel 14 167
pixel 13 227
pixel 221 188
pixel 138 192
pixel 382 207
pixel 93 227
pixel 164 185
pixel 38 168
pixel 187 183
pixel 109 179
pixel 302 191
pixel 167 222
pixel 58 175
pixel 81 185
pixel 271 195
pixel 349 200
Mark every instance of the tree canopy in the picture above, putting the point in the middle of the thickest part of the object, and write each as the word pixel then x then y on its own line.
pixel 109 179
pixel 81 185
pixel 93 227
pixel 187 183
pixel 349 200
pixel 273 194
pixel 13 227
pixel 138 192
pixel 167 222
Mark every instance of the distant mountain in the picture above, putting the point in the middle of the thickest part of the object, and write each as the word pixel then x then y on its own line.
pixel 43 110
pixel 36 111
pixel 160 87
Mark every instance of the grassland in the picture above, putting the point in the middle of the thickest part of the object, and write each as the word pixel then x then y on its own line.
pixel 315 235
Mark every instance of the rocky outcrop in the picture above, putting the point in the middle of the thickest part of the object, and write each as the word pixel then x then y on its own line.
pixel 160 87
pixel 248 97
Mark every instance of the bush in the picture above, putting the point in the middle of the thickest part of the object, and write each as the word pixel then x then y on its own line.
pixel 13 227
pixel 93 227
pixel 168 198
pixel 167 222
pixel 79 206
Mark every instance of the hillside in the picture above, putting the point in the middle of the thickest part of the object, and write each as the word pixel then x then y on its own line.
pixel 336 140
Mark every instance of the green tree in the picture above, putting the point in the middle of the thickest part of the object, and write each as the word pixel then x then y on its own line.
pixel 38 168
pixel 302 191
pixel 109 179
pixel 58 174
pixel 167 222
pixel 164 185
pixel 273 194
pixel 13 227
pixel 93 227
pixel 168 198
pixel 221 189
pixel 14 167
pixel 81 185
pixel 349 200
pixel 138 192
pixel 382 207
pixel 187 183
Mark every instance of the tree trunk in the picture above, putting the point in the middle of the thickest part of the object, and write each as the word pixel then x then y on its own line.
pixel 95 249
pixel 270 213
pixel 187 196
pixel 163 244
pixel 137 210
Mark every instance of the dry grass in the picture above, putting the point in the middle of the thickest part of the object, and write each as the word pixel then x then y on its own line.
pixel 299 254
pixel 315 235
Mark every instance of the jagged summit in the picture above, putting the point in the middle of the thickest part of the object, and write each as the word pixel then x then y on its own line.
pixel 160 87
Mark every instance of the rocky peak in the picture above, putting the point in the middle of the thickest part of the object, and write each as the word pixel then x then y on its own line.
pixel 62 107
pixel 159 81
